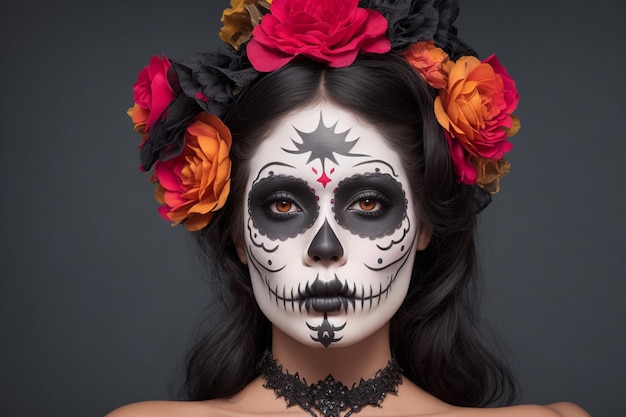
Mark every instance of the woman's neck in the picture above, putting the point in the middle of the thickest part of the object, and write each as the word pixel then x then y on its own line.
pixel 346 364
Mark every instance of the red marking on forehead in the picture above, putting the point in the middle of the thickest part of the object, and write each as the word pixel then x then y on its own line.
pixel 314 170
pixel 323 179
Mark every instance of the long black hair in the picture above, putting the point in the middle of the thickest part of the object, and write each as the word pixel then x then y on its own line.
pixel 435 335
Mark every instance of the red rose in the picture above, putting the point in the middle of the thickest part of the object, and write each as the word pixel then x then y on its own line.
pixel 152 92
pixel 463 167
pixel 509 91
pixel 329 31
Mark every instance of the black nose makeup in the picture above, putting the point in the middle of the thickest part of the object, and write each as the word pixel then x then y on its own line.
pixel 325 245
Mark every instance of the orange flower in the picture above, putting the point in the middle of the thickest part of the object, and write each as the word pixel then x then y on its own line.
pixel 196 183
pixel 139 116
pixel 515 126
pixel 240 19
pixel 476 106
pixel 428 60
pixel 489 173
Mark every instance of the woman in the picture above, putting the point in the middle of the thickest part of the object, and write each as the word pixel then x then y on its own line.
pixel 331 165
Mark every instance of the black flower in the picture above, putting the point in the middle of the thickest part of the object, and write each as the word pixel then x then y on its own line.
pixel 412 21
pixel 446 35
pixel 206 81
pixel 214 78
pixel 409 21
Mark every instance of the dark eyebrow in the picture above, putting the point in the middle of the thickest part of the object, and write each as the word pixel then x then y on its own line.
pixel 377 161
pixel 264 167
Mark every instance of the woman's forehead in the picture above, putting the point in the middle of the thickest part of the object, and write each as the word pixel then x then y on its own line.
pixel 323 133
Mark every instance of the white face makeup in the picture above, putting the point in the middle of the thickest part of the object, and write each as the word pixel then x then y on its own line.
pixel 330 227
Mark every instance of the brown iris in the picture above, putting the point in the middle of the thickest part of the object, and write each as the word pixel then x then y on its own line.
pixel 283 206
pixel 367 204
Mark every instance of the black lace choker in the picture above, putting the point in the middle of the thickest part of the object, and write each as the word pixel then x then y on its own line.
pixel 328 396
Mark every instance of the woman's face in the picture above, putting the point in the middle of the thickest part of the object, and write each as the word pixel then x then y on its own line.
pixel 330 227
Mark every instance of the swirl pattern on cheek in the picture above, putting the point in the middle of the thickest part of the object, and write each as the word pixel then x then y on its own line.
pixel 256 263
pixel 254 238
pixel 392 243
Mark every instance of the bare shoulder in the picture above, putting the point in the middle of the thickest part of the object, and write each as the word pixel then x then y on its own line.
pixel 164 409
pixel 551 410
pixel 568 410
pixel 213 408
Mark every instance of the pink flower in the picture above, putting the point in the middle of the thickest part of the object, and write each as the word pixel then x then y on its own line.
pixel 329 31
pixel 152 92
pixel 463 167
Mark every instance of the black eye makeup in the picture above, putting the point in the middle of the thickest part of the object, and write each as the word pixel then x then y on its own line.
pixel 282 204
pixel 370 205
pixel 282 207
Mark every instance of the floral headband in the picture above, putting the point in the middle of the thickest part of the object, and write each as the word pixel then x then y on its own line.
pixel 178 104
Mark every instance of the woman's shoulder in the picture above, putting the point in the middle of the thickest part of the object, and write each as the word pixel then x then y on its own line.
pixel 208 408
pixel 562 409
pixel 164 409
pixel 418 399
pixel 568 410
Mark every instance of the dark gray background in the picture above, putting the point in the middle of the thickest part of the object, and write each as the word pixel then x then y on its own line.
pixel 99 294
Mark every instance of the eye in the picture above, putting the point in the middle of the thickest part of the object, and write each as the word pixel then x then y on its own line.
pixel 368 203
pixel 283 206
pixel 281 203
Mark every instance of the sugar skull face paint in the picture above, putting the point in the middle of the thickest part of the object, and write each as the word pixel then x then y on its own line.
pixel 330 227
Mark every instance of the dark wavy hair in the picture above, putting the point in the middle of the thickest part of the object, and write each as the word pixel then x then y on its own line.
pixel 436 334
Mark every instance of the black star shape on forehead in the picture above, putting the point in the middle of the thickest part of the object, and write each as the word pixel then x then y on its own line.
pixel 323 143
